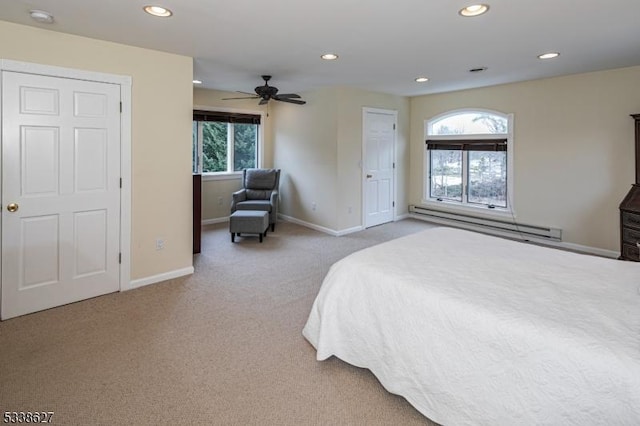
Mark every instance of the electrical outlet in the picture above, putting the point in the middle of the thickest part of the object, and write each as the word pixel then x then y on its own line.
pixel 159 244
pixel 350 210
pixel 219 201
pixel 313 206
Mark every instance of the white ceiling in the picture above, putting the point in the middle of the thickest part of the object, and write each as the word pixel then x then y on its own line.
pixel 383 45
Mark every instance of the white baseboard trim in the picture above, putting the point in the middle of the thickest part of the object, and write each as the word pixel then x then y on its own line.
pixel 558 244
pixel 141 282
pixel 402 217
pixel 215 220
pixel 349 231
pixel 583 249
pixel 307 224
pixel 320 228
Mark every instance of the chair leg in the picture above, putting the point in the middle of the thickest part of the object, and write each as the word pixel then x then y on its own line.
pixel 233 237
pixel 260 237
pixel 273 227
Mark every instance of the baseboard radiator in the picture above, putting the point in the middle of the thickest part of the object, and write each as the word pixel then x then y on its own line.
pixel 489 225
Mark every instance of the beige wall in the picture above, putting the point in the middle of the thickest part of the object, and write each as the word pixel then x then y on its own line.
pixel 216 197
pixel 319 149
pixel 216 194
pixel 161 134
pixel 573 148
pixel 351 103
pixel 305 149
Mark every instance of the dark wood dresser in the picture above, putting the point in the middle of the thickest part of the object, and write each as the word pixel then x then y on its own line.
pixel 630 210
pixel 197 212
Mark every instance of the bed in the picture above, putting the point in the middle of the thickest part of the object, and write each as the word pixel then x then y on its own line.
pixel 474 329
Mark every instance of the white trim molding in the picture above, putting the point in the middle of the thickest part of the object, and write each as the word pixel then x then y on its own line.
pixel 221 176
pixel 141 282
pixel 320 228
pixel 349 231
pixel 215 220
pixel 55 71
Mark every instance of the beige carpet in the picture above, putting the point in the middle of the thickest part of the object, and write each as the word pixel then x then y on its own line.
pixel 221 347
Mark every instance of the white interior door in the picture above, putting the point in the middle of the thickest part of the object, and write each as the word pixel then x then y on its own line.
pixel 60 191
pixel 379 133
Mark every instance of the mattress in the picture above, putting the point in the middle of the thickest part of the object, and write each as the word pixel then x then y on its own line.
pixel 473 329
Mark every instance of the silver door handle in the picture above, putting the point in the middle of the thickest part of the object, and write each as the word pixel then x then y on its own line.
pixel 369 176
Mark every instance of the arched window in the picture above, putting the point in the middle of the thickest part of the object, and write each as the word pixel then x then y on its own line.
pixel 468 159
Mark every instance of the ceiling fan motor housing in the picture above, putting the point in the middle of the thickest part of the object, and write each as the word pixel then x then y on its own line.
pixel 266 91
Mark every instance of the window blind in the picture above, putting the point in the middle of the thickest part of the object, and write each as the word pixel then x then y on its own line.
pixel 468 144
pixel 226 117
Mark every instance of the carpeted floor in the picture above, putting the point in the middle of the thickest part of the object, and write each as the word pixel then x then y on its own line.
pixel 222 347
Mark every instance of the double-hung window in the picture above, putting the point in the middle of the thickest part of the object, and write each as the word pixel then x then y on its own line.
pixel 225 142
pixel 468 160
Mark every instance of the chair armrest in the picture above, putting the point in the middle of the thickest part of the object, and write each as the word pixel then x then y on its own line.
pixel 236 197
pixel 274 208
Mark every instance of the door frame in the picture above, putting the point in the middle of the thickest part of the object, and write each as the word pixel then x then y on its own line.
pixel 363 177
pixel 125 145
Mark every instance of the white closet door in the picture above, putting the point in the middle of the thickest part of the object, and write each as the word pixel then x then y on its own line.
pixel 60 191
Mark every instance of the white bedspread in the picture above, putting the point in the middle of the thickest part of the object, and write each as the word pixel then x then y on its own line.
pixel 479 330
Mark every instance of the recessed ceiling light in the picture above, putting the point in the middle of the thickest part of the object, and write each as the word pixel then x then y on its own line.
pixel 479 69
pixel 41 16
pixel 197 81
pixel 422 79
pixel 329 56
pixel 474 10
pixel 549 55
pixel 158 11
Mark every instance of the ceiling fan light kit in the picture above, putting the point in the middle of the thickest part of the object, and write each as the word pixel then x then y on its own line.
pixel 266 93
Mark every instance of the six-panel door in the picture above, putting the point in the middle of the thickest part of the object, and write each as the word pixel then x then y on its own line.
pixel 61 178
pixel 378 165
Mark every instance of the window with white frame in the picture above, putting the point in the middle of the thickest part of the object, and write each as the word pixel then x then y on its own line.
pixel 224 142
pixel 468 159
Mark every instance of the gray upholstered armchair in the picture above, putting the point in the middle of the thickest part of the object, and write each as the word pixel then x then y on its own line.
pixel 260 192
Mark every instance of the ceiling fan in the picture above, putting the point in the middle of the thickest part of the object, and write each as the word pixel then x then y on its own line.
pixel 266 93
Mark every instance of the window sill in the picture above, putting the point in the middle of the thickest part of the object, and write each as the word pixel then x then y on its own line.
pixel 221 176
pixel 465 208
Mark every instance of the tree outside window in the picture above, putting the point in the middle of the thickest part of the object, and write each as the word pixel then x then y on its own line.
pixel 245 146
pixel 214 146
pixel 223 143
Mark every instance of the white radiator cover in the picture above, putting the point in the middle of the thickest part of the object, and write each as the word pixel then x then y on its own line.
pixel 489 225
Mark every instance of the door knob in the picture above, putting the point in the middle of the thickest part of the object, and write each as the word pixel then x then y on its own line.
pixel 369 176
pixel 12 207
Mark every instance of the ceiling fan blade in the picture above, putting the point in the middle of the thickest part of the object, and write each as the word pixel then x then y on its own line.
pixel 245 93
pixel 289 95
pixel 291 101
pixel 246 97
pixel 263 101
